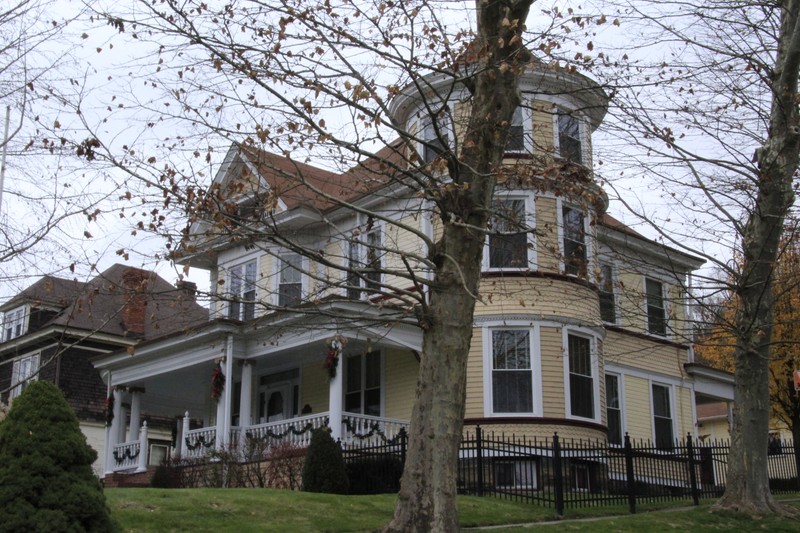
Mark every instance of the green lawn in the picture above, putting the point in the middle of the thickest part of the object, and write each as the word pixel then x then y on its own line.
pixel 266 510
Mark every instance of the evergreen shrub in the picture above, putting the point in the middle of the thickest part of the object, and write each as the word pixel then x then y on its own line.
pixel 324 469
pixel 46 478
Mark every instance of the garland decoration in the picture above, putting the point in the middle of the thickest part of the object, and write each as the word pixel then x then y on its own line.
pixel 200 441
pixel 217 382
pixel 335 347
pixel 110 409
pixel 126 454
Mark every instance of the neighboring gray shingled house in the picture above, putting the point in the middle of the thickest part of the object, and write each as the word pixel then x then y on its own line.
pixel 54 328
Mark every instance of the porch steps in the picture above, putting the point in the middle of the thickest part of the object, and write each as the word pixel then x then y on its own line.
pixel 125 480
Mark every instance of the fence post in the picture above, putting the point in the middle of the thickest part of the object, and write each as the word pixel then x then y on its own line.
pixel 630 475
pixel 558 480
pixel 143 448
pixel 692 472
pixel 479 457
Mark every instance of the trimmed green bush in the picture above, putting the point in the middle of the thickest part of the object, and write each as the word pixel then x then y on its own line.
pixel 46 478
pixel 324 469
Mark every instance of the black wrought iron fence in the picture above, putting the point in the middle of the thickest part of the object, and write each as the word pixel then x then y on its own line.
pixel 569 473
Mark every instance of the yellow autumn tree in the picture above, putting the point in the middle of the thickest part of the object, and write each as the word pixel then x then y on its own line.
pixel 716 343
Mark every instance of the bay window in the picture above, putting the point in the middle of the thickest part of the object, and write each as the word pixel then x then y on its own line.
pixel 512 372
pixel 573 228
pixel 508 234
pixel 569 138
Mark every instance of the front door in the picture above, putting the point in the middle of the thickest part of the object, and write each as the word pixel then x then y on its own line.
pixel 277 396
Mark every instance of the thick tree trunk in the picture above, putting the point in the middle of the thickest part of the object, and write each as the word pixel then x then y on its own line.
pixel 427 499
pixel 747 486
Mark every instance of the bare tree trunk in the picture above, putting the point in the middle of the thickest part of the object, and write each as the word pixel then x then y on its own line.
pixel 427 500
pixel 748 481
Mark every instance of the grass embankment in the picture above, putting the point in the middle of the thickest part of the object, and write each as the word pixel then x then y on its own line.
pixel 251 510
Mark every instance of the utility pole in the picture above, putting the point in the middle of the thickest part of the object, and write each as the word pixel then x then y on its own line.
pixel 3 157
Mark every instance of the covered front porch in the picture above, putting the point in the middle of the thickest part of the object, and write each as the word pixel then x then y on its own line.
pixel 242 388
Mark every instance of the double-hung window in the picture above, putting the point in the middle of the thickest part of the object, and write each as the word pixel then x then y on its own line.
pixel 656 308
pixel 662 417
pixel 290 280
pixel 242 291
pixel 574 241
pixel 365 263
pixel 569 138
pixel 516 133
pixel 508 234
pixel 363 384
pixel 23 372
pixel 614 409
pixel 435 137
pixel 512 378
pixel 14 324
pixel 608 302
pixel 581 376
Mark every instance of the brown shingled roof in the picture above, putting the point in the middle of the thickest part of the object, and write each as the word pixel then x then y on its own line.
pixel 300 184
pixel 104 303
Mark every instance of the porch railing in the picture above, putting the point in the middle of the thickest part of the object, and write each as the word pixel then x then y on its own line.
pixel 131 455
pixel 295 431
pixel 198 442
pixel 371 429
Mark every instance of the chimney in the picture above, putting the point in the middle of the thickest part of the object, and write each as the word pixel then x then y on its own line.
pixel 134 310
pixel 188 289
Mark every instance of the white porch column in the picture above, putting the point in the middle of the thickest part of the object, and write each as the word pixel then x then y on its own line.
pixel 228 395
pixel 220 440
pixel 245 398
pixel 123 417
pixel 143 448
pixel 185 433
pixel 112 431
pixel 335 394
pixel 136 413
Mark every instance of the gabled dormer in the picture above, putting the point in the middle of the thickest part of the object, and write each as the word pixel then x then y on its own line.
pixel 37 306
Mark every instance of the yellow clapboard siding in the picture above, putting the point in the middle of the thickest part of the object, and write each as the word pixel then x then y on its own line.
pixel 552 355
pixel 644 354
pixel 534 295
pixel 314 387
pixel 547 246
pixel 400 379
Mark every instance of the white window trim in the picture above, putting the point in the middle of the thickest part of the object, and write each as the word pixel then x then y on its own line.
pixel 16 382
pixel 593 351
pixel 23 309
pixel 380 227
pixel 589 243
pixel 614 289
pixel 530 222
pixel 665 285
pixel 227 272
pixel 536 366
pixel 527 129
pixel 673 412
pixel 382 356
pixel 622 412
pixel 423 119
pixel 582 132
pixel 276 282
